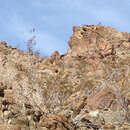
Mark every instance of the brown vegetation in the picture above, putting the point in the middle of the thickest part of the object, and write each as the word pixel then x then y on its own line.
pixel 86 88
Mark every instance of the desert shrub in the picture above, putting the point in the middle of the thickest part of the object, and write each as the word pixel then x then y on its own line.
pixel 31 43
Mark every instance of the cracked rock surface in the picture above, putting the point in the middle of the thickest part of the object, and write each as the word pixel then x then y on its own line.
pixel 87 88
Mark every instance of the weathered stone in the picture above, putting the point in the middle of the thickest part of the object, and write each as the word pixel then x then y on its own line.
pixel 109 126
pixel 85 88
pixel 57 122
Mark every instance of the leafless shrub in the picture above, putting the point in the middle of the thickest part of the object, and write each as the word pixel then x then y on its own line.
pixel 31 43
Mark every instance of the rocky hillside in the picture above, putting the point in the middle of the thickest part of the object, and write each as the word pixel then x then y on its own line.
pixel 88 88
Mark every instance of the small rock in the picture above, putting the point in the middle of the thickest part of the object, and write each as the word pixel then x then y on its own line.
pixel 109 126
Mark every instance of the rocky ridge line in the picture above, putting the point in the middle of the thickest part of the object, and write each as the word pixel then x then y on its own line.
pixel 86 88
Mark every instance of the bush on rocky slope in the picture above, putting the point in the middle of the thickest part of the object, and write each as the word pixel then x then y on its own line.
pixel 86 88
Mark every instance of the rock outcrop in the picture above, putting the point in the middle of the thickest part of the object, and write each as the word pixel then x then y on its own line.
pixel 86 88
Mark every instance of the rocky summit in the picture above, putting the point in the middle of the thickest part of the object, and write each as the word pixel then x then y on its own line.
pixel 87 88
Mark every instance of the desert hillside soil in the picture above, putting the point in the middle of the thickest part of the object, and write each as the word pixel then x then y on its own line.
pixel 87 88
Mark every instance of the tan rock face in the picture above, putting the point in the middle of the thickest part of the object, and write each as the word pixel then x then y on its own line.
pixel 102 97
pixel 86 88
pixel 56 122
pixel 96 41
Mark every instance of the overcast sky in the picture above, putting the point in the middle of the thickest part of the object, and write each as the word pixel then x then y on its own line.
pixel 53 20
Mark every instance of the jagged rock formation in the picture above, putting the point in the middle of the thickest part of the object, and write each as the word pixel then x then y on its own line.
pixel 86 88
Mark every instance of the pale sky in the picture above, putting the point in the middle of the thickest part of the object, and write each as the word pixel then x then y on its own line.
pixel 53 20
